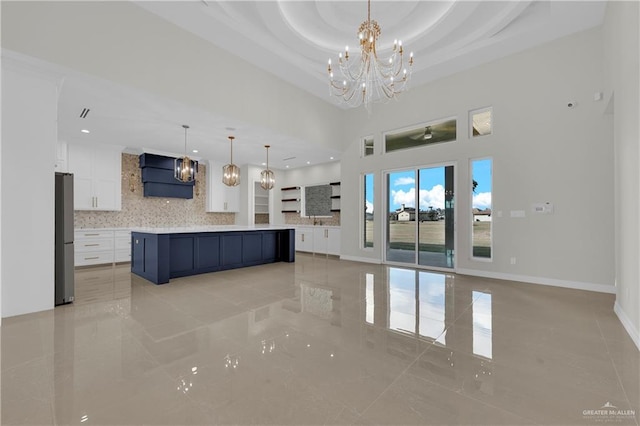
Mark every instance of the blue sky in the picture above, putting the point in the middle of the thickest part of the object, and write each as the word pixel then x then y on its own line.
pixel 431 193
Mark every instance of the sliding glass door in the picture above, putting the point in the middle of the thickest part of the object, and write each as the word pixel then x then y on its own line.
pixel 420 220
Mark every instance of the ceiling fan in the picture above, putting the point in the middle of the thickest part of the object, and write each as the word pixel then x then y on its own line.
pixel 428 134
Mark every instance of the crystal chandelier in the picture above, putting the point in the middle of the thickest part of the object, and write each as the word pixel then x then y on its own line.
pixel 267 178
pixel 231 172
pixel 184 168
pixel 370 78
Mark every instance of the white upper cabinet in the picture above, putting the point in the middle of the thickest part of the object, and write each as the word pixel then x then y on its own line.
pixel 61 157
pixel 96 176
pixel 220 197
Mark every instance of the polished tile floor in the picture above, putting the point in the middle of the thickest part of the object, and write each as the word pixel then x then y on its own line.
pixel 320 341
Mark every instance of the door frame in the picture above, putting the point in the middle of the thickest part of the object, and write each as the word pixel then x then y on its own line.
pixel 385 224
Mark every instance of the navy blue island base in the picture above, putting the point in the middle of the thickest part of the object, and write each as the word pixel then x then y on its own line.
pixel 159 257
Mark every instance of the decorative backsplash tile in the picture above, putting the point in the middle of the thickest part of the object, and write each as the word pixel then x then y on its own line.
pixel 296 219
pixel 138 211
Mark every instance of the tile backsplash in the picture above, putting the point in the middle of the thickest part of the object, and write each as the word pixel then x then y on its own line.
pixel 138 211
pixel 296 219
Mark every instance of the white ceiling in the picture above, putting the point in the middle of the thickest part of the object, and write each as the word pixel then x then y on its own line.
pixel 294 39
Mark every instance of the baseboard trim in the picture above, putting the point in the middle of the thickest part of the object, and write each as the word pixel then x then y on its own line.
pixel 361 259
pixel 578 285
pixel 627 324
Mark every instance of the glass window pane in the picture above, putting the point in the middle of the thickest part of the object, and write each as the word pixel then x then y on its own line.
pixel 401 216
pixel 443 131
pixel 368 210
pixel 481 172
pixel 481 122
pixel 367 146
pixel 435 225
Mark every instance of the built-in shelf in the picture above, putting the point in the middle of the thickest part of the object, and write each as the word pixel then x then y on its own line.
pixel 335 197
pixel 291 204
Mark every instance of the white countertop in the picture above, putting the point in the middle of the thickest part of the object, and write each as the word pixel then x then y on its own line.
pixel 100 229
pixel 218 228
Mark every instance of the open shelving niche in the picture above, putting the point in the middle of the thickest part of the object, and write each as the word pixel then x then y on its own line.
pixel 292 198
pixel 335 196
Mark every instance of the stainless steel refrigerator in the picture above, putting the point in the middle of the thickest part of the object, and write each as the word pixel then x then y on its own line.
pixel 65 286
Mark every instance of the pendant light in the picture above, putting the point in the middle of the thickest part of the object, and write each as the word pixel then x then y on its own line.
pixel 231 172
pixel 184 168
pixel 267 178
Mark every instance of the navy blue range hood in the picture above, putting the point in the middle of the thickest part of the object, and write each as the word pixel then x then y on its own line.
pixel 158 178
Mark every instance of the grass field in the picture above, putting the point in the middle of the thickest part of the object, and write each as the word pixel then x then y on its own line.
pixel 431 234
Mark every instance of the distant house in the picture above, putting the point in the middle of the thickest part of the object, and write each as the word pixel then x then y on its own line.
pixel 481 215
pixel 406 214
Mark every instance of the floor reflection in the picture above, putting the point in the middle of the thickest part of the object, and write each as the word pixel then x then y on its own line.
pixel 102 283
pixel 320 341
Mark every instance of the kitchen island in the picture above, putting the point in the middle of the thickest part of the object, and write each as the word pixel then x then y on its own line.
pixel 159 254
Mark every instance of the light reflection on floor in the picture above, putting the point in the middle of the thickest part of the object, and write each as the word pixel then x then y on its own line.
pixel 321 341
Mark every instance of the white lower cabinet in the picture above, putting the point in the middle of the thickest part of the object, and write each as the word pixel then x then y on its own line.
pixel 122 246
pixel 100 246
pixel 304 239
pixel 318 239
pixel 326 240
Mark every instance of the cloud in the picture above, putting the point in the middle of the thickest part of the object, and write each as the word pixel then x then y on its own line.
pixel 433 197
pixel 482 200
pixel 404 181
pixel 369 207
pixel 408 198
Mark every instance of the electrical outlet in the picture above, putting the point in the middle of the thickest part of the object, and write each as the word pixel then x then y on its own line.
pixel 513 260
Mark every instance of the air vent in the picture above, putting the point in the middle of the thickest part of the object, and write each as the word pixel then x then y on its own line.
pixel 84 113
pixel 288 158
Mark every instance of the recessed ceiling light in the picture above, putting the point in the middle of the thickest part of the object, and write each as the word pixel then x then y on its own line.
pixel 287 166
pixel 330 158
pixel 308 162
pixel 85 131
pixel 195 151
pixel 264 164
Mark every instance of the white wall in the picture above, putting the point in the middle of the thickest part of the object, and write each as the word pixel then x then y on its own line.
pixel 146 52
pixel 29 133
pixel 621 79
pixel 542 151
